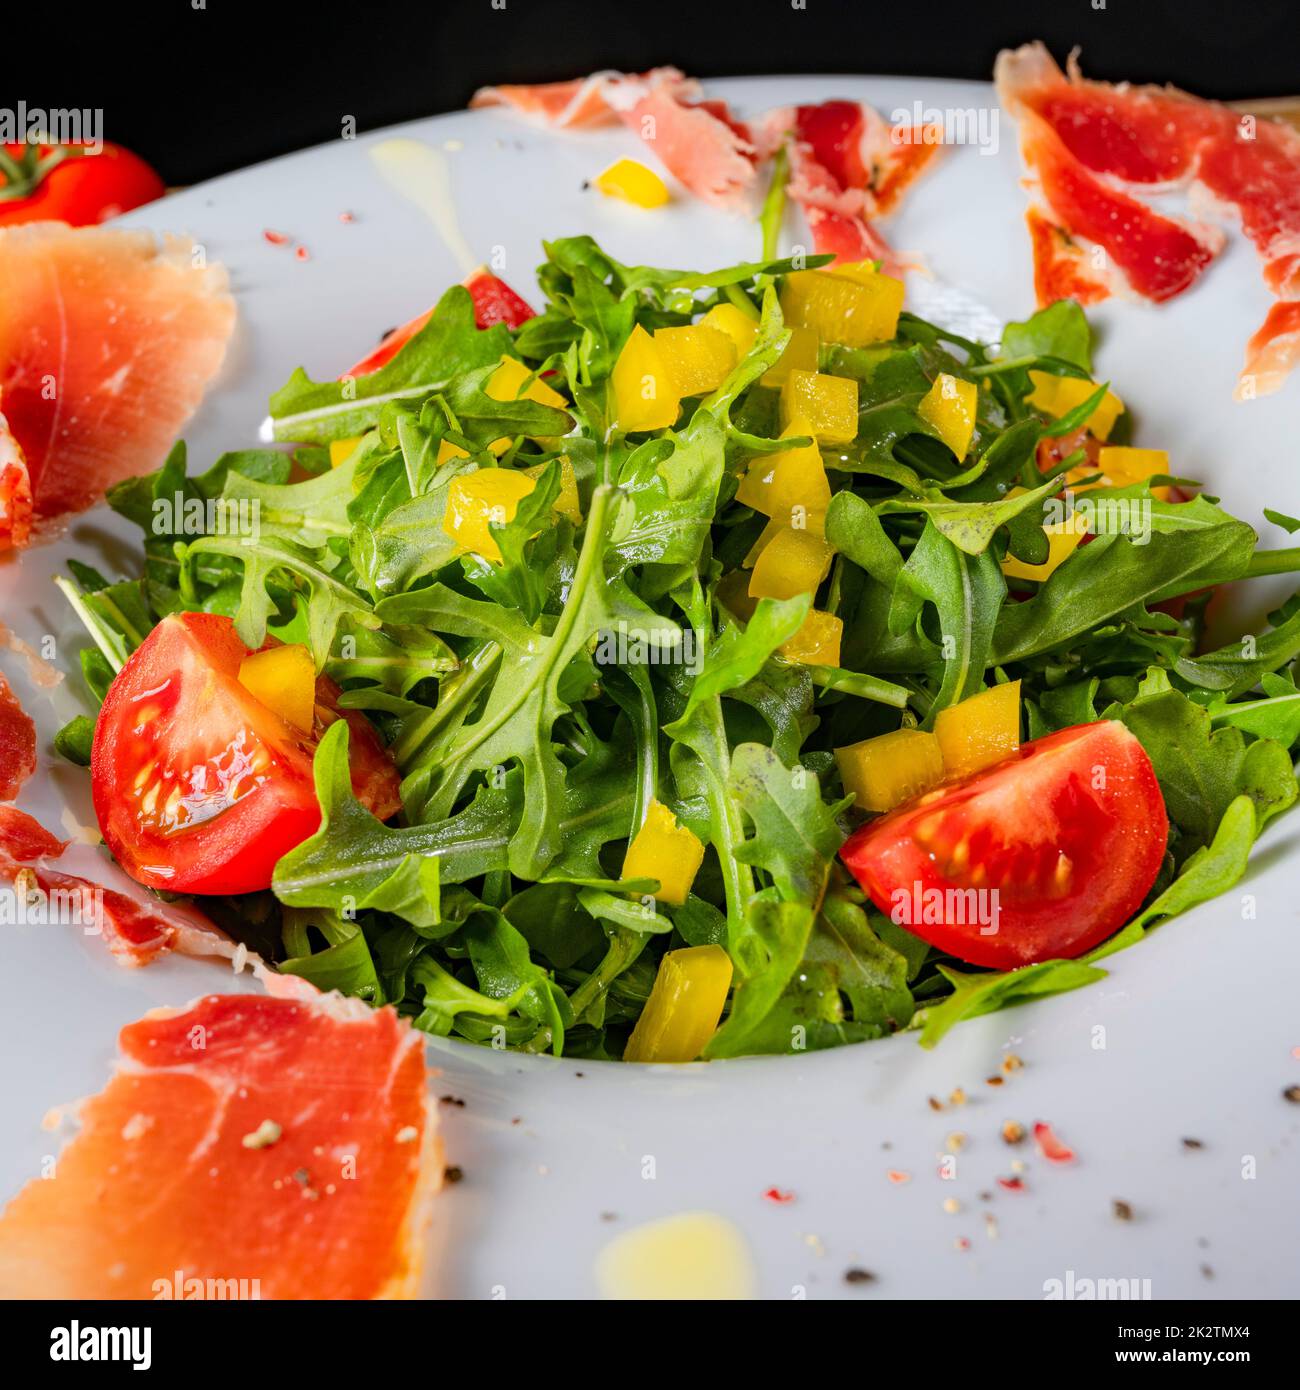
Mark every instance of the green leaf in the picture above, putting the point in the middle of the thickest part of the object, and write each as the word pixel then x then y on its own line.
pixel 448 346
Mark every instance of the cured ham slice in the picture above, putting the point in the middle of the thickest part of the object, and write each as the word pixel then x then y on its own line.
pixel 1104 136
pixel 136 927
pixel 15 489
pixel 848 166
pixel 701 144
pixel 107 344
pixel 1271 352
pixel 581 103
pixel 17 743
pixel 1061 269
pixel 1158 256
pixel 246 1146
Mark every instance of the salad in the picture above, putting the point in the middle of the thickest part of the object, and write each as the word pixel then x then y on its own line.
pixel 711 664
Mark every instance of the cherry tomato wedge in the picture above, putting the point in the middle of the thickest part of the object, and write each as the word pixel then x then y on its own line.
pixel 198 786
pixel 76 184
pixel 1060 843
pixel 494 302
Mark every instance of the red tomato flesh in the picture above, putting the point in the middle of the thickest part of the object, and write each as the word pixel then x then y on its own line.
pixel 84 188
pixel 1060 843
pixel 198 786
pixel 494 302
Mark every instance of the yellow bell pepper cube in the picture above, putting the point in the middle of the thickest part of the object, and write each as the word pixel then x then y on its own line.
pixel 698 357
pixel 645 395
pixel 341 450
pixel 284 680
pixel 507 384
pixel 800 353
pixel 793 562
pixel 488 495
pixel 791 486
pixel 828 403
pixel 853 310
pixel 630 181
pixel 664 850
pixel 1062 540
pixel 684 1007
pixel 739 326
pixel 1124 466
pixel 949 406
pixel 448 450
pixel 817 643
pixel 1058 395
pixel 769 533
pixel 864 272
pixel 733 594
pixel 884 772
pixel 980 731
pixel 567 502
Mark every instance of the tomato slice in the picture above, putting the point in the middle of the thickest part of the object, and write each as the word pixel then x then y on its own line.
pixel 1044 855
pixel 198 786
pixel 494 302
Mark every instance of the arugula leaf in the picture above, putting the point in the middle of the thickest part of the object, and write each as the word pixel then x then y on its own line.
pixel 448 346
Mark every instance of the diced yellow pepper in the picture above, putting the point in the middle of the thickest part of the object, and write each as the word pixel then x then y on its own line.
pixel 768 534
pixel 980 731
pixel 793 562
pixel 800 353
pixel 1124 466
pixel 817 643
pixel 949 406
pixel 684 1007
pixel 341 450
pixel 507 384
pixel 791 486
pixel 739 326
pixel 631 181
pixel 853 310
pixel 828 403
pixel 567 502
pixel 645 394
pixel 697 357
pixel 1062 540
pixel 664 850
pixel 733 594
pixel 284 680
pixel 884 772
pixel 864 272
pixel 475 499
pixel 448 450
pixel 1058 395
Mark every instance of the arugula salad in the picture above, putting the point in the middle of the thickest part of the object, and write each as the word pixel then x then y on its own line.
pixel 711 664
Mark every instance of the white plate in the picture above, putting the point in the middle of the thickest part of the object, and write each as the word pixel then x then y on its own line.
pixel 1192 1035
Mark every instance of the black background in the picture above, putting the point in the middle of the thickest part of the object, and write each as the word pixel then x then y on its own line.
pixel 202 91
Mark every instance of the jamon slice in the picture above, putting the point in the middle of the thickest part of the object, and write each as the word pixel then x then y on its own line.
pixel 107 343
pixel 1061 268
pixel 1271 352
pixel 581 103
pixel 15 490
pixel 701 144
pixel 136 927
pixel 17 743
pixel 1158 256
pixel 245 1146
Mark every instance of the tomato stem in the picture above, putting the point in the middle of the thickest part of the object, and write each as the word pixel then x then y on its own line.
pixel 24 174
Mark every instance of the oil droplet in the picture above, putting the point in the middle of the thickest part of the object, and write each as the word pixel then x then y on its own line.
pixel 421 175
pixel 695 1255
